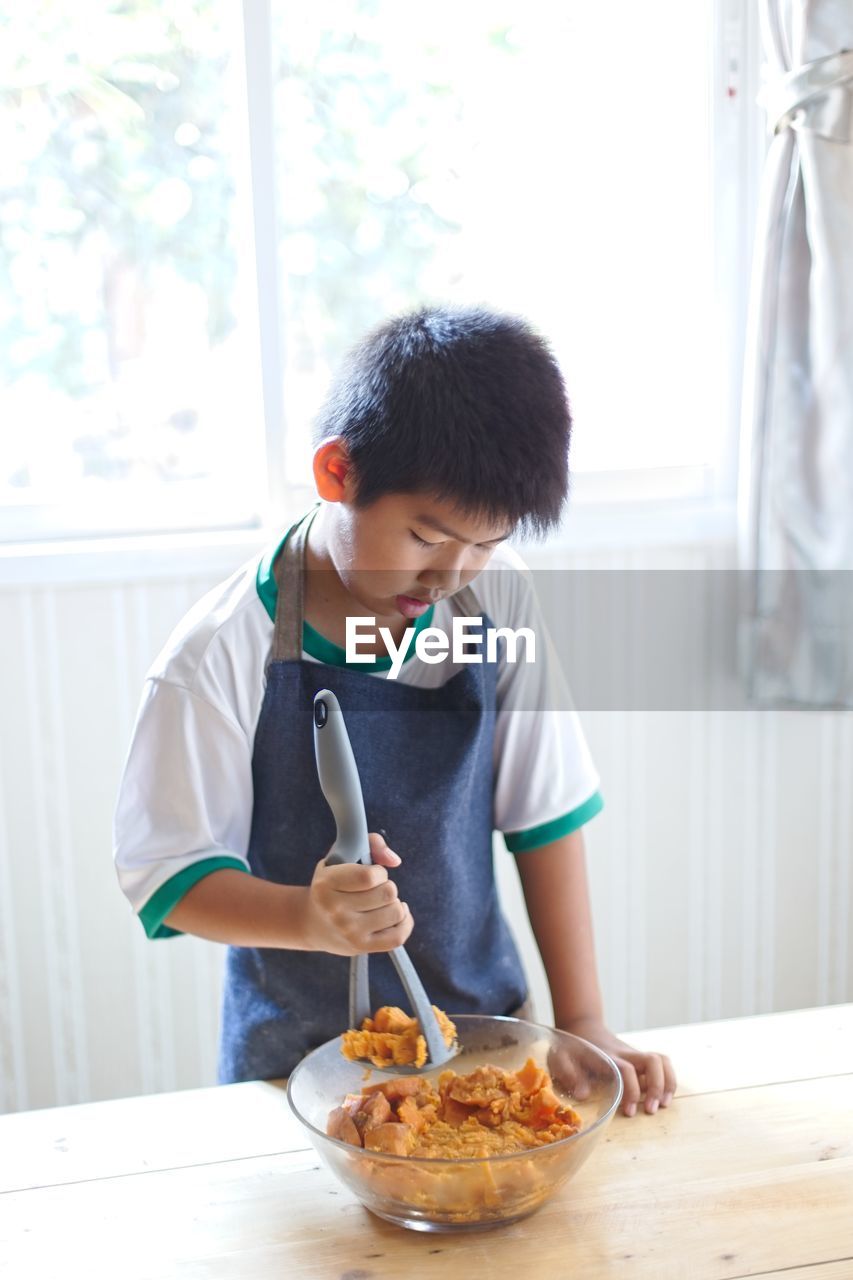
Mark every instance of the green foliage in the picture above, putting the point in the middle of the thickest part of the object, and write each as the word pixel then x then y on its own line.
pixel 369 117
pixel 115 151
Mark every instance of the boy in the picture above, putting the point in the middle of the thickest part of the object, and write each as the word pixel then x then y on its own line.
pixel 447 431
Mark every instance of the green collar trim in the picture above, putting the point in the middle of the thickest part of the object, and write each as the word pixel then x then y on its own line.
pixel 315 644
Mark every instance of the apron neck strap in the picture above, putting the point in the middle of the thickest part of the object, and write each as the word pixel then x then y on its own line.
pixel 289 572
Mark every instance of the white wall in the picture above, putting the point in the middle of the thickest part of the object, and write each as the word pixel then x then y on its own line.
pixel 720 867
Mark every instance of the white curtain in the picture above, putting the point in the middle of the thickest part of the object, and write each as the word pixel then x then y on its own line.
pixel 796 490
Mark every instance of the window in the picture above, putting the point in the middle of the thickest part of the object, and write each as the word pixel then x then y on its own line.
pixel 557 161
pixel 127 372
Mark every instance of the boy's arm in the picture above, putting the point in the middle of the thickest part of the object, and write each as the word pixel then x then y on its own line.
pixel 556 892
pixel 347 908
pixel 243 910
pixel 186 800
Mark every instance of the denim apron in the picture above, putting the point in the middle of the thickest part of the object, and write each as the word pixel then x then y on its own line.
pixel 425 761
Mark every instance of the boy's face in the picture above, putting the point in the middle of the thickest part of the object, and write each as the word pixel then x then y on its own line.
pixel 406 551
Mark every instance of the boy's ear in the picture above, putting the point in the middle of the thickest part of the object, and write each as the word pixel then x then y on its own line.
pixel 333 474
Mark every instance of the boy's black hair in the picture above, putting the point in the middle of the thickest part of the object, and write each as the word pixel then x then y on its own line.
pixel 463 404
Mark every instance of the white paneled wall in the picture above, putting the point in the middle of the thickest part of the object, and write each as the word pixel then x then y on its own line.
pixel 720 867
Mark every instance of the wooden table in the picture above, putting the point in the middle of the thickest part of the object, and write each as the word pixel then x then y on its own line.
pixel 749 1173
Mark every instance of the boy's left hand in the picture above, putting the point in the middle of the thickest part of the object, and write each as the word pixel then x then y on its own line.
pixel 646 1076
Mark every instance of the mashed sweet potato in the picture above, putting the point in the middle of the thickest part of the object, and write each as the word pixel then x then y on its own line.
pixel 488 1112
pixel 391 1038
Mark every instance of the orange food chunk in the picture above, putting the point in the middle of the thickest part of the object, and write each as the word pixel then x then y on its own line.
pixel 341 1125
pixel 391 1019
pixel 396 1138
pixel 373 1111
pixel 391 1038
pixel 479 1088
pixel 410 1113
pixel 399 1087
pixel 531 1077
pixel 453 1112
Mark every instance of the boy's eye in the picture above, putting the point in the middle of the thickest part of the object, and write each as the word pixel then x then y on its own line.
pixel 422 542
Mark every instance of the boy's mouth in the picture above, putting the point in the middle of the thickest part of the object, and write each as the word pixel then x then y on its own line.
pixel 411 606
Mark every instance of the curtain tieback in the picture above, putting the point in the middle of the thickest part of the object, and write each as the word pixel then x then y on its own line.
pixel 817 98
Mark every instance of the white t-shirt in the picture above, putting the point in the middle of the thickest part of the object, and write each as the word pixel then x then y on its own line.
pixel 185 802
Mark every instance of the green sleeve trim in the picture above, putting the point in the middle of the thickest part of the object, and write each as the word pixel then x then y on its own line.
pixel 164 899
pixel 524 841
pixel 315 644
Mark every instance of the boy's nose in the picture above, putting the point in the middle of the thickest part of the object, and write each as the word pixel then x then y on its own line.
pixel 444 580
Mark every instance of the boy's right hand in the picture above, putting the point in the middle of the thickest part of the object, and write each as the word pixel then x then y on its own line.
pixel 353 908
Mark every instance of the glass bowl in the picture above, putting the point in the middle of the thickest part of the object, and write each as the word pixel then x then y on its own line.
pixel 466 1194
